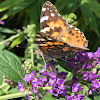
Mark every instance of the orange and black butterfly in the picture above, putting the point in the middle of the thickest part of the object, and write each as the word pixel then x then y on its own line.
pixel 57 38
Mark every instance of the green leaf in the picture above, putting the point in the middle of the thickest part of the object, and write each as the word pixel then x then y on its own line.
pixel 64 65
pixel 8 4
pixel 61 69
pixel 11 67
pixel 34 17
pixel 17 8
pixel 85 89
pixel 1 77
pixel 49 96
pixel 86 10
pixel 87 98
pixel 12 54
pixel 7 30
pixel 66 6
pixel 95 6
pixel 97 97
pixel 18 40
pixel 13 90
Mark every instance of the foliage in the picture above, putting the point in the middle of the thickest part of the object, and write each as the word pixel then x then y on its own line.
pixel 17 35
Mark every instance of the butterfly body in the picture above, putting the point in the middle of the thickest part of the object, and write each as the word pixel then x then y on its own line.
pixel 57 38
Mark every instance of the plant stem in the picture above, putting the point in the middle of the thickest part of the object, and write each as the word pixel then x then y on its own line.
pixel 9 39
pixel 15 95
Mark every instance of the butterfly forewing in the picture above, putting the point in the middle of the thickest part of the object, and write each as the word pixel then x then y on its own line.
pixel 51 20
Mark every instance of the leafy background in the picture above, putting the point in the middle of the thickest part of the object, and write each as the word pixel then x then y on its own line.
pixel 22 17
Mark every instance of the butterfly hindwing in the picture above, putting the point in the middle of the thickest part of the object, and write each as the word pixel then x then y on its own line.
pixel 51 48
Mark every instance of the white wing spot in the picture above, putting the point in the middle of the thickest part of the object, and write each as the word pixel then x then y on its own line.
pixel 50 10
pixel 56 10
pixel 43 9
pixel 44 18
pixel 59 15
pixel 42 44
pixel 38 35
pixel 50 4
pixel 71 26
pixel 47 8
pixel 52 14
pixel 77 29
pixel 45 29
pixel 49 39
pixel 40 39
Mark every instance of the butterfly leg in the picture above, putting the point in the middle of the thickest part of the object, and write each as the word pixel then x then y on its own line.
pixel 44 60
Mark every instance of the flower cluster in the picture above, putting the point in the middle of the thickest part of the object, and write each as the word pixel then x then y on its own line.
pixel 85 70
pixel 86 65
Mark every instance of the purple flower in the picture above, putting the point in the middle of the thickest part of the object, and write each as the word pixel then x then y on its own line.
pixel 85 75
pixel 54 85
pixel 35 84
pixel 20 84
pixel 27 78
pixel 45 73
pixel 70 61
pixel 40 81
pixel 9 81
pixel 28 97
pixel 83 66
pixel 75 87
pixel 33 73
pixel 55 92
pixel 74 79
pixel 90 55
pixel 34 79
pixel 80 97
pixel 68 97
pixel 97 53
pixel 81 57
pixel 96 83
pixel 75 97
pixel 34 90
pixel 61 75
pixel 51 81
pixel 90 92
pixel 20 87
pixel 52 63
pixel 52 75
pixel 92 76
pixel 61 84
pixel 44 79
pixel 2 22
pixel 89 65
pixel 62 92
pixel 81 88
pixel 50 91
pixel 42 71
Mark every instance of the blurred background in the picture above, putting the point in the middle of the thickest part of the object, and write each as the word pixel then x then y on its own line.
pixel 21 22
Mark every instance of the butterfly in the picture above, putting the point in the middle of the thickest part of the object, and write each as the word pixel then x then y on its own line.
pixel 57 38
